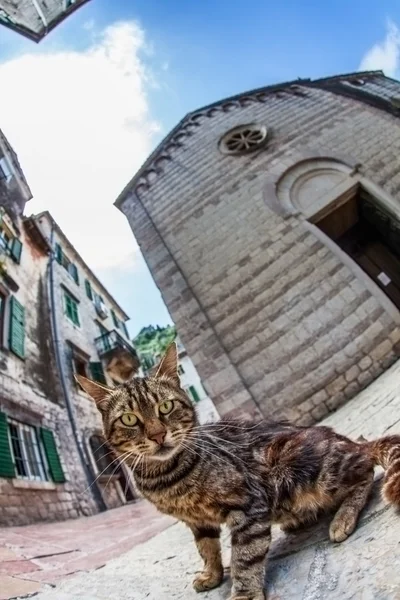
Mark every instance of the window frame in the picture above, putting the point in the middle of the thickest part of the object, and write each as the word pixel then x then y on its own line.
pixel 194 396
pixel 3 300
pixel 6 169
pixel 66 263
pixel 36 448
pixel 68 311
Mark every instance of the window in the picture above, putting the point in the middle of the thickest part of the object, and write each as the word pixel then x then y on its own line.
pixel 17 328
pixel 2 314
pixel 65 262
pixel 5 238
pixel 125 330
pixel 79 366
pixel 193 393
pixel 115 319
pixel 5 171
pixel 89 291
pixel 97 372
pixel 243 139
pixel 71 308
pixel 9 244
pixel 180 370
pixel 26 452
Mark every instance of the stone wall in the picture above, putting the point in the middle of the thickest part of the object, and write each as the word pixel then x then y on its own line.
pixel 30 392
pixel 275 322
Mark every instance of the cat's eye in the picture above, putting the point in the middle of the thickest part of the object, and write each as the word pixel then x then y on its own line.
pixel 166 407
pixel 129 419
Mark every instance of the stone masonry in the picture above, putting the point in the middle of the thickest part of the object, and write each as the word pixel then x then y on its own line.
pixel 31 393
pixel 274 318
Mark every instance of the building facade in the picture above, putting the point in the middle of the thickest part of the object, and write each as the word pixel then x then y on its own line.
pixel 192 384
pixel 35 19
pixel 55 319
pixel 270 223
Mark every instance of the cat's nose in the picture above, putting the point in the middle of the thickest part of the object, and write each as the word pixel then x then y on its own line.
pixel 158 436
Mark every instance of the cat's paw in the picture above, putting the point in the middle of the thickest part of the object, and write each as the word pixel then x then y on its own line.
pixel 340 529
pixel 207 580
pixel 292 528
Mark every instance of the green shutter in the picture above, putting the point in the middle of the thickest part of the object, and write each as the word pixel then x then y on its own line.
pixel 114 318
pixel 194 393
pixel 74 272
pixel 97 373
pixel 71 309
pixel 59 254
pixel 53 459
pixel 7 468
pixel 124 327
pixel 89 291
pixel 17 328
pixel 15 250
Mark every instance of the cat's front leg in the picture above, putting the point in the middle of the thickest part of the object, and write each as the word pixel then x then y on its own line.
pixel 209 547
pixel 251 538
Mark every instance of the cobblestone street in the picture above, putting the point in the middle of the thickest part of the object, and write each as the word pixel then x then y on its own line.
pixel 45 553
pixel 305 566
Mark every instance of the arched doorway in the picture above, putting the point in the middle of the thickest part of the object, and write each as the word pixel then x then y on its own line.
pixel 108 468
pixel 369 233
pixel 357 219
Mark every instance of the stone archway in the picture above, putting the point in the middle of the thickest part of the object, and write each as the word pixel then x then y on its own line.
pixel 316 186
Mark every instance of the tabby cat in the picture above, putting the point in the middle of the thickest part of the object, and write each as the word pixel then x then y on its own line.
pixel 247 475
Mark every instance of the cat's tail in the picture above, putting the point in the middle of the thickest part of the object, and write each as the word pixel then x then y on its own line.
pixel 386 453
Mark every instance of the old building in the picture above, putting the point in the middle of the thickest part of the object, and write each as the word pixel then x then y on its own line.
pixel 56 318
pixel 270 223
pixel 34 19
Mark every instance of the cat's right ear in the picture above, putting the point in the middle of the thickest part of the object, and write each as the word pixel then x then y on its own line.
pixel 97 391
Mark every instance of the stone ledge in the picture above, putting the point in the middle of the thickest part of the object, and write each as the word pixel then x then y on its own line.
pixel 23 484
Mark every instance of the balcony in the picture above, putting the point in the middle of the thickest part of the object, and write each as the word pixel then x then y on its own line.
pixel 120 358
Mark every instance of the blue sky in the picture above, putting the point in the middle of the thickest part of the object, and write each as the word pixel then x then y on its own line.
pixel 85 107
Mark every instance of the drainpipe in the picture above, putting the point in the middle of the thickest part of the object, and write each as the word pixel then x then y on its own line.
pixel 90 475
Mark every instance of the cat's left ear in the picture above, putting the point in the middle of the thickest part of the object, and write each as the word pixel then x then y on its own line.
pixel 99 393
pixel 168 366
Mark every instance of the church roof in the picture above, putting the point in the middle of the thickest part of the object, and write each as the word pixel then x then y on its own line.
pixel 363 86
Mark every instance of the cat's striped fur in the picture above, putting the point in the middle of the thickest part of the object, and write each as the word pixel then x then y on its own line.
pixel 245 475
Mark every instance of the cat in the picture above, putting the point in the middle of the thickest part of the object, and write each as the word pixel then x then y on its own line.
pixel 242 474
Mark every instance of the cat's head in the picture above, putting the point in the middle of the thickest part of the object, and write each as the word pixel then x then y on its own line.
pixel 148 417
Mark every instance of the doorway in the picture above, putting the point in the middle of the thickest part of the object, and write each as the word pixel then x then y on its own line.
pixel 108 467
pixel 368 233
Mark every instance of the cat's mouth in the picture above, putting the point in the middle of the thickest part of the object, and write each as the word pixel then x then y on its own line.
pixel 164 452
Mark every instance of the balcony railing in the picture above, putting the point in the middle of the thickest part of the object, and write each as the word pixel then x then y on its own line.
pixel 112 340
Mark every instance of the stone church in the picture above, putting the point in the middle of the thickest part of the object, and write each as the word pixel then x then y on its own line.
pixel 270 222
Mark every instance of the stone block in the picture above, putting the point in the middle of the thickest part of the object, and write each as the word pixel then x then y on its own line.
pixel 365 363
pixel 319 397
pixel 381 350
pixel 319 412
pixel 336 386
pixel 352 373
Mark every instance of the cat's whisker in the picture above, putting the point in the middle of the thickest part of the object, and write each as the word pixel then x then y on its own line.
pixel 100 447
pixel 100 474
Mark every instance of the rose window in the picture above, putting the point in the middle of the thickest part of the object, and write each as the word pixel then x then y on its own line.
pixel 243 139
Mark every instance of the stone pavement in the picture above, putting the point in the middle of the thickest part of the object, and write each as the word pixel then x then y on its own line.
pixel 305 566
pixel 33 556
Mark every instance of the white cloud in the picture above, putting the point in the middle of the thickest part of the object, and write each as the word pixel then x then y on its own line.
pixel 384 55
pixel 81 126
